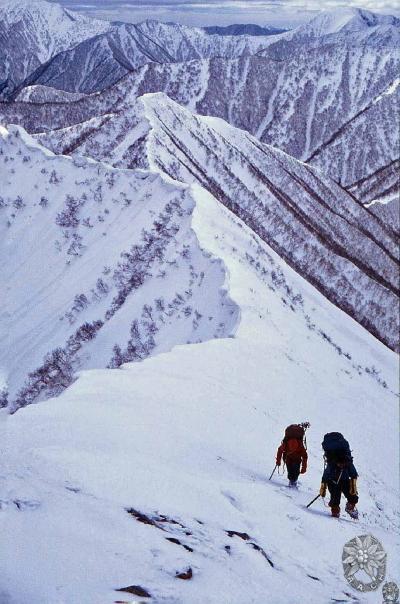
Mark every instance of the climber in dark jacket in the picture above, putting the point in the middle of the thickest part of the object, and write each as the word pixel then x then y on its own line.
pixel 341 478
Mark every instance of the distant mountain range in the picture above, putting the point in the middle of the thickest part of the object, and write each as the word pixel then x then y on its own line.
pixel 242 29
pixel 342 67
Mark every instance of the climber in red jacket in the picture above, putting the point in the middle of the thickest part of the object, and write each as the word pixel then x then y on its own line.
pixel 293 453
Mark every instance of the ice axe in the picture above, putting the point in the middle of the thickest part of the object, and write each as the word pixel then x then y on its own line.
pixel 273 472
pixel 315 499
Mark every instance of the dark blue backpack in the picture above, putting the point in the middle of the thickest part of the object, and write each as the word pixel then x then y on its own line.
pixel 336 448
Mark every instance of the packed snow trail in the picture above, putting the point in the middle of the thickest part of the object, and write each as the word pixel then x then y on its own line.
pixel 137 474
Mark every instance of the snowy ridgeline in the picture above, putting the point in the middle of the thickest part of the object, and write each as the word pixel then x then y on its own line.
pixel 52 40
pixel 347 107
pixel 32 31
pixel 343 249
pixel 142 476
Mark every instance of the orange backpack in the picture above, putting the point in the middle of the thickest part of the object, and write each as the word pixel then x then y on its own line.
pixel 294 441
pixel 293 448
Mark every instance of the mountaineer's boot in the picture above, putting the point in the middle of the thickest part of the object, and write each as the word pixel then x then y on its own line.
pixel 335 511
pixel 352 510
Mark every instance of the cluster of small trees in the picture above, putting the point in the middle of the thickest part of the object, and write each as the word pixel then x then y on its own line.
pixel 196 320
pixel 3 398
pixel 133 269
pixel 81 301
pixel 68 218
pixel 57 370
pixel 18 203
pixel 142 333
pixel 140 343
pixel 375 373
pixel 76 246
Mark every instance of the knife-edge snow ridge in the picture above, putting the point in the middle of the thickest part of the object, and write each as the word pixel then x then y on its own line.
pixel 331 239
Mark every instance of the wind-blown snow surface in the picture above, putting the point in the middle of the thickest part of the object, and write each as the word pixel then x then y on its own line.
pixel 188 438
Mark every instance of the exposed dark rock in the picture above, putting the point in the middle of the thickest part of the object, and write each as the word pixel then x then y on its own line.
pixel 177 542
pixel 136 590
pixel 185 575
pixel 246 537
pixel 243 536
pixel 143 518
pixel 258 548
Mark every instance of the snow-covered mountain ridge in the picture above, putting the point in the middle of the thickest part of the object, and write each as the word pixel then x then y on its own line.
pixel 264 187
pixel 240 29
pixel 32 31
pixel 70 51
pixel 144 472
pixel 338 245
pixel 343 20
pixel 102 60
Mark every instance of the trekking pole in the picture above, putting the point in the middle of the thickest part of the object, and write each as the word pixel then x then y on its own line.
pixel 273 472
pixel 315 499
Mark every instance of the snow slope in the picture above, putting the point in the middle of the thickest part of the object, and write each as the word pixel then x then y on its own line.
pixel 388 209
pixel 371 171
pixel 41 94
pixel 319 229
pixel 101 266
pixel 185 442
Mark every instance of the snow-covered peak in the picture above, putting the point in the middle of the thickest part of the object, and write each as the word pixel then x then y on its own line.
pixel 59 19
pixel 33 32
pixel 345 20
pixel 154 27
